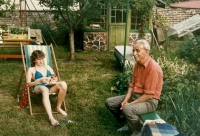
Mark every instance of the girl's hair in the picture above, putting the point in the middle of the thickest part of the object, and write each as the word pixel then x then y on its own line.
pixel 145 44
pixel 35 55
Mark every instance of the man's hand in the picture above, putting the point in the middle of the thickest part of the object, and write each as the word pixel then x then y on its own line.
pixel 127 98
pixel 124 103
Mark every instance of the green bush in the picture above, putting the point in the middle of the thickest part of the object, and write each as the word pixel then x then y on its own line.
pixel 179 104
pixel 190 50
pixel 173 76
pixel 121 81
pixel 196 33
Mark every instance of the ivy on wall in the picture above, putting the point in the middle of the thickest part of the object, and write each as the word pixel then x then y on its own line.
pixel 144 8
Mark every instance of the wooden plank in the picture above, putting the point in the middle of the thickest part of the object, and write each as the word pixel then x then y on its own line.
pixel 149 116
pixel 10 56
pixel 28 41
pixel 9 46
pixel 184 32
pixel 18 40
pixel 10 43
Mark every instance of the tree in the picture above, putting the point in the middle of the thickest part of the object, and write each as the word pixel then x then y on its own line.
pixel 73 12
pixel 7 5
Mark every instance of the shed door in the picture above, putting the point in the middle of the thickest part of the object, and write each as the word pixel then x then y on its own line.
pixel 117 34
pixel 117 27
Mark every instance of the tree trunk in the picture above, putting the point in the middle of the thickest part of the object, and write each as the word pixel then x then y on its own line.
pixel 72 50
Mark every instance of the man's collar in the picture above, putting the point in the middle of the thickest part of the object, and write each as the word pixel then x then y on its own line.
pixel 146 62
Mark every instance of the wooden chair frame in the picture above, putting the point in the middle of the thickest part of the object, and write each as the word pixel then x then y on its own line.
pixel 24 74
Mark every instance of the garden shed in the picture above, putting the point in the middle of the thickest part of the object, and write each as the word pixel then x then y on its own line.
pixel 108 30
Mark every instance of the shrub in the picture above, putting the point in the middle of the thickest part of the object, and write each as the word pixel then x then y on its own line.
pixel 173 74
pixel 121 81
pixel 179 103
pixel 196 33
pixel 190 50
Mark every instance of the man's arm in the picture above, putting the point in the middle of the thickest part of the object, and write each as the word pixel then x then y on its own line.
pixel 127 98
pixel 129 94
pixel 143 98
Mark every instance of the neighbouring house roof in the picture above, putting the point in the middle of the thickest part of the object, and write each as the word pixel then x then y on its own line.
pixel 192 4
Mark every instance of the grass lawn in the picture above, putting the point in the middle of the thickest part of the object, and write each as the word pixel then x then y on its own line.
pixel 89 79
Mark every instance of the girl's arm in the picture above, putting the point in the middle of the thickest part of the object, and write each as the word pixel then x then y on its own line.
pixel 54 78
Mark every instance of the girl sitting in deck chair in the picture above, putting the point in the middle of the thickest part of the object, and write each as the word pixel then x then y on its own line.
pixel 42 77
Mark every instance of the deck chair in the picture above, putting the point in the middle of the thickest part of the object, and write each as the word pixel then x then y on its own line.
pixel 26 51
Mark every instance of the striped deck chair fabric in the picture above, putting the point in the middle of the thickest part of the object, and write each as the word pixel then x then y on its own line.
pixel 28 49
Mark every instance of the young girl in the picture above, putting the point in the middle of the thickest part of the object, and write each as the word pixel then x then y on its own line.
pixel 38 75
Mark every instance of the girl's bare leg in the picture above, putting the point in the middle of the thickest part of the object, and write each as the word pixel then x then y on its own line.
pixel 61 89
pixel 46 103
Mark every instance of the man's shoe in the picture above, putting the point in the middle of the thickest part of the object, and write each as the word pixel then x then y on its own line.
pixel 124 128
pixel 136 133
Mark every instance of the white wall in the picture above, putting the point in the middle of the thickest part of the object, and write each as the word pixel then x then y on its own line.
pixel 32 4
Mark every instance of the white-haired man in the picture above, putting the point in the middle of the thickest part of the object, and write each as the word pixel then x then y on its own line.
pixel 144 90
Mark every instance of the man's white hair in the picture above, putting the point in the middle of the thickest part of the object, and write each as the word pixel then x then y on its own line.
pixel 145 43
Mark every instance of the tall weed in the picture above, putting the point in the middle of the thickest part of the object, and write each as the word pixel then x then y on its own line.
pixel 186 116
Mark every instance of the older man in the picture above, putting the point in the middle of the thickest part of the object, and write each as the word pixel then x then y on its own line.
pixel 144 90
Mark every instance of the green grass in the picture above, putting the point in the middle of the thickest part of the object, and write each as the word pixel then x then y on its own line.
pixel 89 79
